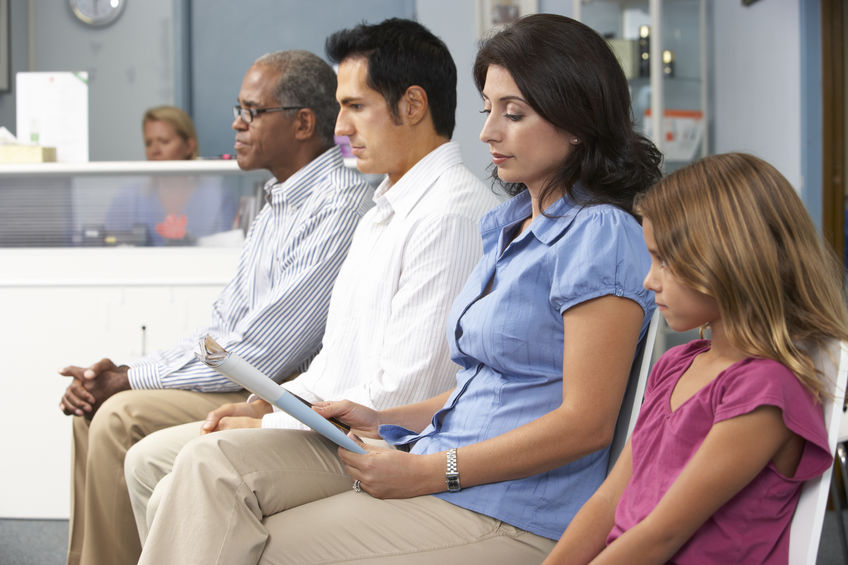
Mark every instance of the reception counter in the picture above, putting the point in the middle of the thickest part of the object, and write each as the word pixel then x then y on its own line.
pixel 74 289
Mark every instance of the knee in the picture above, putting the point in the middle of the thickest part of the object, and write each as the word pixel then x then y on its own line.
pixel 205 448
pixel 135 467
pixel 113 422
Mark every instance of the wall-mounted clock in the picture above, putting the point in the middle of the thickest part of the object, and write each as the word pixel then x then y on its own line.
pixel 97 13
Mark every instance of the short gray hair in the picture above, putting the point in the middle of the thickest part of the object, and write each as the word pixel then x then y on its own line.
pixel 306 80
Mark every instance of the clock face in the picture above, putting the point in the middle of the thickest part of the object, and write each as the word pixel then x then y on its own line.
pixel 97 12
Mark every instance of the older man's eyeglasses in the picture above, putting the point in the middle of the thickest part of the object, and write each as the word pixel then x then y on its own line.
pixel 247 115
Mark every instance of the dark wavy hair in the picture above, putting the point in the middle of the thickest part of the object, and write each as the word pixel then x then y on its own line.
pixel 571 78
pixel 402 53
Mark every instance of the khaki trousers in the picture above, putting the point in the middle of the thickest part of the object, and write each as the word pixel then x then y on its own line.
pixel 148 462
pixel 282 496
pixel 102 527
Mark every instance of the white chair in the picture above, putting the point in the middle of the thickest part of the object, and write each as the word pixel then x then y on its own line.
pixel 836 496
pixel 807 522
pixel 632 401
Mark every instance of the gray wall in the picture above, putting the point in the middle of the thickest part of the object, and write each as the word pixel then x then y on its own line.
pixel 756 62
pixel 18 55
pixel 130 67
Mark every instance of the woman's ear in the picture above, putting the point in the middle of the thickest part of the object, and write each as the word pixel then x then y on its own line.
pixel 192 147
pixel 415 106
pixel 304 124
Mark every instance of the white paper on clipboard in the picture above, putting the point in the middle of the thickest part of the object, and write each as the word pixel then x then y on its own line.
pixel 247 376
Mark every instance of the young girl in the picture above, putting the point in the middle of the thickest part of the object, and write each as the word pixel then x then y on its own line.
pixel 730 427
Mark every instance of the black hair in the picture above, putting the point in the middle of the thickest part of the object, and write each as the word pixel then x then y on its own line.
pixel 571 78
pixel 402 53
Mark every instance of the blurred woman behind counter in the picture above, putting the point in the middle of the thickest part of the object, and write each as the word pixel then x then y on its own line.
pixel 171 210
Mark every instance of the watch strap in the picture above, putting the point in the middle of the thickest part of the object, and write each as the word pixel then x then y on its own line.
pixel 451 471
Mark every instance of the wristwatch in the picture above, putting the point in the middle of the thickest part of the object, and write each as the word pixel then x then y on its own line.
pixel 451 472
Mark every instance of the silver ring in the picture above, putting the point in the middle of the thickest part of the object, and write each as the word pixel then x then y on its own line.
pixel 356 487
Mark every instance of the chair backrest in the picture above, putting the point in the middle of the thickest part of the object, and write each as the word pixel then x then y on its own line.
pixel 807 522
pixel 632 401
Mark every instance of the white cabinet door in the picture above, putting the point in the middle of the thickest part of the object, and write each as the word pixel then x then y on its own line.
pixel 61 307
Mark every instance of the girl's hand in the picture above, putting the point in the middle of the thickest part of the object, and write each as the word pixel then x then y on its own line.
pixel 389 473
pixel 361 418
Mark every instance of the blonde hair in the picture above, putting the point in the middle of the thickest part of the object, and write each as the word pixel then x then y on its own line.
pixel 732 227
pixel 179 120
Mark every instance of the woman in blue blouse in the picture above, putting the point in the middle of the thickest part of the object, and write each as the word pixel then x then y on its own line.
pixel 545 332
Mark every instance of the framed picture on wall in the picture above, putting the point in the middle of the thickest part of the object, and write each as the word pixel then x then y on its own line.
pixel 495 14
pixel 4 45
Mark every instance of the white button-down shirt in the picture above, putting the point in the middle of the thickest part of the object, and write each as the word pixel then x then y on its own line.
pixel 385 341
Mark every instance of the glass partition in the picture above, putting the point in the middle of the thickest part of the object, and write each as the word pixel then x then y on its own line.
pixel 165 203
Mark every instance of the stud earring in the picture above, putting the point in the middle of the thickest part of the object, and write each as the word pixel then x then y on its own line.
pixel 575 140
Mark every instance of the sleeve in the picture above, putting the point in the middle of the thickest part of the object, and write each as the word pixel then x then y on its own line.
pixel 439 254
pixel 762 382
pixel 122 210
pixel 602 253
pixel 282 332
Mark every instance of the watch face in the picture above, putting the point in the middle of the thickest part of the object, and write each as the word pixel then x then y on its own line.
pixel 97 12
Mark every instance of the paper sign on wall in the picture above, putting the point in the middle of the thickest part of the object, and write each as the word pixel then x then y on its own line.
pixel 52 111
pixel 683 131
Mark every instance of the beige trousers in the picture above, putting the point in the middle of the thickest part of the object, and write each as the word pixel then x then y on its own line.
pixel 148 462
pixel 282 496
pixel 102 527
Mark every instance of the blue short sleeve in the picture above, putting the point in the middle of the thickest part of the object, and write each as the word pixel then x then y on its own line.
pixel 602 253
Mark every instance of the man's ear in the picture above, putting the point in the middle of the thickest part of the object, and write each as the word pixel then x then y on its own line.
pixel 414 105
pixel 304 124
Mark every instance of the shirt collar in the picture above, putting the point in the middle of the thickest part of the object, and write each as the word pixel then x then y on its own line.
pixel 412 186
pixel 298 187
pixel 546 228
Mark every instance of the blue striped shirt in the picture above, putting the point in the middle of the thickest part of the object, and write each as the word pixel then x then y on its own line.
pixel 272 313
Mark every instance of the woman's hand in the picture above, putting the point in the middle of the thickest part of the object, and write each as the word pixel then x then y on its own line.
pixel 389 473
pixel 364 420
pixel 238 415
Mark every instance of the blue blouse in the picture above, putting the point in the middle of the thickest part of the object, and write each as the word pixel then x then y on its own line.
pixel 509 344
pixel 210 209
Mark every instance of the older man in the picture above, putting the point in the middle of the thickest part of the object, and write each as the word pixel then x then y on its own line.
pixel 272 312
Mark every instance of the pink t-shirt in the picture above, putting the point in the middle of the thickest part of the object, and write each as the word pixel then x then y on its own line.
pixel 753 526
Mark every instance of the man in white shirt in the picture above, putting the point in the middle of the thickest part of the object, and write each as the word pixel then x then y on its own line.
pixel 385 343
pixel 272 312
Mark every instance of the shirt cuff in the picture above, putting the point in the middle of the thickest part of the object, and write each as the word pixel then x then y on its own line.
pixel 280 420
pixel 144 375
